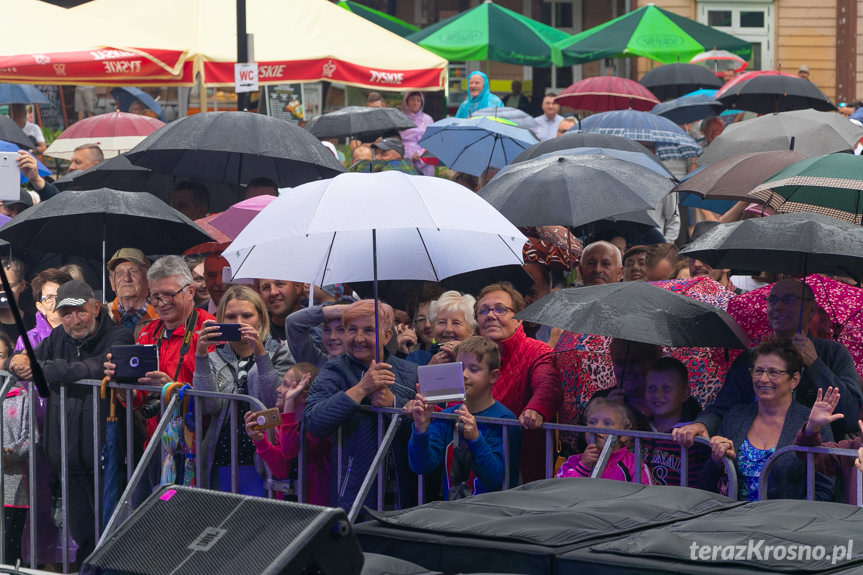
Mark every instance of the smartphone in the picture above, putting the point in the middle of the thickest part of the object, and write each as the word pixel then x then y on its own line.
pixel 10 177
pixel 229 331
pixel 266 419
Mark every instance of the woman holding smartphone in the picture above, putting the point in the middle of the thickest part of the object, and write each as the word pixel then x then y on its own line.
pixel 253 364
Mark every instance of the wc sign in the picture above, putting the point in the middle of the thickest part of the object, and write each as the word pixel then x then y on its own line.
pixel 246 77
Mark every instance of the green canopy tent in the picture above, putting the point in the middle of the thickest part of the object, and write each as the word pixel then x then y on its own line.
pixel 382 19
pixel 648 31
pixel 491 32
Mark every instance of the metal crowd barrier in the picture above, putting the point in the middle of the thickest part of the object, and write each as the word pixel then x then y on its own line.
pixel 612 434
pixel 810 468
pixel 134 473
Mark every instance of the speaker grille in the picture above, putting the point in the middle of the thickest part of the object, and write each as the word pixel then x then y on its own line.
pixel 192 531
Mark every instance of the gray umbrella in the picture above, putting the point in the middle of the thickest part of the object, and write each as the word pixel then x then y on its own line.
pixel 10 132
pixel 637 311
pixel 235 147
pixel 795 243
pixel 358 121
pixel 575 139
pixel 571 190
pixel 815 134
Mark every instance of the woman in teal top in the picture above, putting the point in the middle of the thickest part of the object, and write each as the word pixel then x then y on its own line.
pixel 479 96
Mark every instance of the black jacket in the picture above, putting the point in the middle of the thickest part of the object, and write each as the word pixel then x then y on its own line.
pixel 65 360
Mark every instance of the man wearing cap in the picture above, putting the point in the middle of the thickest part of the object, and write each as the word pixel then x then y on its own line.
pixel 128 268
pixel 12 208
pixel 803 71
pixel 67 355
pixel 389 149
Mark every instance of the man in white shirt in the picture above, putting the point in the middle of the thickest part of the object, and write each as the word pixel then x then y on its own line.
pixel 549 119
pixel 34 132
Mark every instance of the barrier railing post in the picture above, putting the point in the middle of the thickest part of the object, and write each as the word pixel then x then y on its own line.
pixel 7 383
pixel 235 463
pixel 130 444
pixel 637 477
pixel 684 466
pixel 549 452
pixel 605 454
pixel 381 468
pixel 31 480
pixel 97 453
pixel 810 476
pixel 301 464
pixel 504 436
pixel 199 459
pixel 64 479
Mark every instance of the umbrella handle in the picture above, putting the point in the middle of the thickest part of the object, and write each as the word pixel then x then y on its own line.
pixel 103 391
pixel 185 399
pixel 169 389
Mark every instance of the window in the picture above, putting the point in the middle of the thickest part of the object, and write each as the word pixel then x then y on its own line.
pixel 752 19
pixel 719 18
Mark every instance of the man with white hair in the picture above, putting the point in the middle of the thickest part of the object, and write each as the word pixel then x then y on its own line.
pixel 77 351
pixel 601 263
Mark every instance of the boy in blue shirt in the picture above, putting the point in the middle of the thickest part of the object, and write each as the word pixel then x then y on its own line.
pixel 475 463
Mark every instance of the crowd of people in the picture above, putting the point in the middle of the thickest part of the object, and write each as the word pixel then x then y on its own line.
pixel 317 365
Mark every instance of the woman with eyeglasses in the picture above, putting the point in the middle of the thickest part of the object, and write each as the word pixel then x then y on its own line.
pixel 253 365
pixel 528 384
pixel 751 433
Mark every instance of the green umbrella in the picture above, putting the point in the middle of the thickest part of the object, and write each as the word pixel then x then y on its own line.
pixel 650 32
pixel 382 19
pixel 491 32
pixel 831 185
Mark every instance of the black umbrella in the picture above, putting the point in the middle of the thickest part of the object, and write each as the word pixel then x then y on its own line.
pixel 358 121
pixel 82 223
pixel 575 139
pixel 769 93
pixel 637 311
pixel 674 80
pixel 795 243
pixel 10 132
pixel 688 109
pixel 235 147
pixel 572 190
pixel 118 173
pixel 814 133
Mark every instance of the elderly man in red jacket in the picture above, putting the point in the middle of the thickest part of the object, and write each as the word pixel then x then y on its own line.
pixel 529 384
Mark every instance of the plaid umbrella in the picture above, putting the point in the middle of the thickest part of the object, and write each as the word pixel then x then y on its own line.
pixel 552 246
pixel 839 315
pixel 670 141
pixel 831 185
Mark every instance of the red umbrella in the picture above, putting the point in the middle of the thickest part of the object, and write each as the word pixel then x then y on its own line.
pixel 747 76
pixel 607 93
pixel 115 133
pixel 222 241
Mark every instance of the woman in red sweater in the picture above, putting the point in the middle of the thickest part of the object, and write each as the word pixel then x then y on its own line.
pixel 529 384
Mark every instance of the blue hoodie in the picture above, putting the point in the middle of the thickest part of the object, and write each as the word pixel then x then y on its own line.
pixel 485 99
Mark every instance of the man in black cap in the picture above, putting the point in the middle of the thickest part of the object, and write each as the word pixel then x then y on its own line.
pixel 389 149
pixel 12 208
pixel 75 352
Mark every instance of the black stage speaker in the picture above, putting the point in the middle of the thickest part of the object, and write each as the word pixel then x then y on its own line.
pixel 188 531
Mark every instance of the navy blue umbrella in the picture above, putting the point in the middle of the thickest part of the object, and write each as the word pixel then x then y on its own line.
pixel 125 96
pixel 22 94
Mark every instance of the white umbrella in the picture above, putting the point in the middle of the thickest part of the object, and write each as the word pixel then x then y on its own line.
pixel 364 227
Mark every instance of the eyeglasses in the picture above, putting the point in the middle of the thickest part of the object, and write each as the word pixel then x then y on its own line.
pixel 48 298
pixel 499 310
pixel 158 299
pixel 772 374
pixel 788 300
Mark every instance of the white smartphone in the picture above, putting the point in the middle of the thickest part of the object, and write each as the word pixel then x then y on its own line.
pixel 10 177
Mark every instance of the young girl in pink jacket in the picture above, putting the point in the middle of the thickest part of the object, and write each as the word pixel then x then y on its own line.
pixel 610 414
pixel 280 455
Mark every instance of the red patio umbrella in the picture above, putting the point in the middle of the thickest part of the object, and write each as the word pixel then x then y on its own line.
pixel 115 133
pixel 607 93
